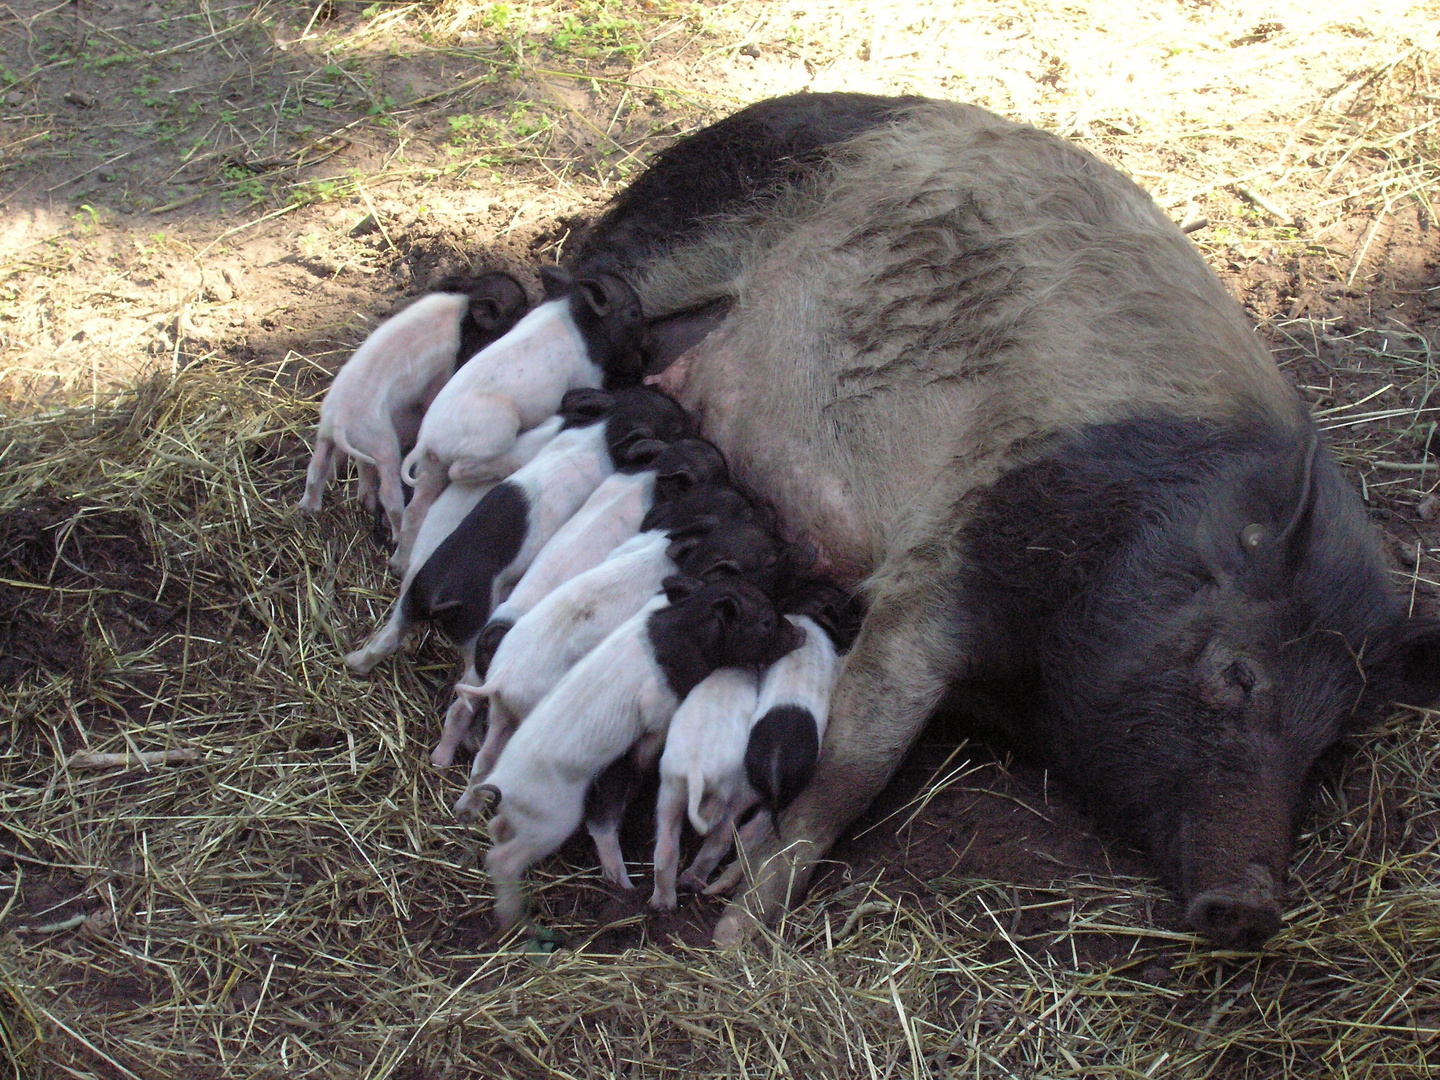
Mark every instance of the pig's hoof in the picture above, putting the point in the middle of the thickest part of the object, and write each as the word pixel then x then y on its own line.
pixel 725 884
pixel 662 902
pixel 308 507
pixel 360 662
pixel 442 757
pixel 691 882
pixel 735 928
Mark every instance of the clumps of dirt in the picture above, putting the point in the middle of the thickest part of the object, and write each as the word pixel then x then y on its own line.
pixel 69 568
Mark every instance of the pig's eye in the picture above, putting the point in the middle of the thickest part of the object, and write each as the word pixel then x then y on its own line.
pixel 1241 675
pixel 1252 536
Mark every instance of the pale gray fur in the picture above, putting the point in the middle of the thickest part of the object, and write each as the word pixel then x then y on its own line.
pixel 906 328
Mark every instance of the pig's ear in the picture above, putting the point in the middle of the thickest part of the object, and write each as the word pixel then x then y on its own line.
pixel 606 293
pixel 495 299
pixel 556 282
pixel 1403 663
pixel 681 471
pixel 726 607
pixel 585 404
pixel 678 587
pixel 721 568
pixel 643 451
pixel 693 529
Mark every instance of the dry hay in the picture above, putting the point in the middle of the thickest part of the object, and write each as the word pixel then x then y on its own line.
pixel 296 899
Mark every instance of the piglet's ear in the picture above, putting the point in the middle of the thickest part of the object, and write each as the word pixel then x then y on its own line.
pixel 486 312
pixel 721 568
pixel 693 529
pixel 585 403
pixel 643 451
pixel 1406 662
pixel 595 295
pixel 556 282
pixel 679 586
pixel 726 608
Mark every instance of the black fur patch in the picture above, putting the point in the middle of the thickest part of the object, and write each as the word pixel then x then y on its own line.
pixel 453 588
pixel 609 793
pixel 721 168
pixel 781 754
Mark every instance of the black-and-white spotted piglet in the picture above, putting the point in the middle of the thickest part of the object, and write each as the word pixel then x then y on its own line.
pixel 620 697
pixel 611 516
pixel 559 631
pixel 587 333
pixel 373 409
pixel 482 558
pixel 772 757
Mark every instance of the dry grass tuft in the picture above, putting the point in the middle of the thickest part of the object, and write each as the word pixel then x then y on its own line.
pixel 289 895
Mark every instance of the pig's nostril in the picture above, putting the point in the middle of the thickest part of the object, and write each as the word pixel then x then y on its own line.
pixel 1235 922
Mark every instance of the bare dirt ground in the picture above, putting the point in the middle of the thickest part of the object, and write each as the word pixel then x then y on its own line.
pixel 205 207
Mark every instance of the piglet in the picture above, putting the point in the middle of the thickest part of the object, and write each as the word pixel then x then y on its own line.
pixel 775 754
pixel 374 407
pixel 482 558
pixel 619 699
pixel 451 508
pixel 611 516
pixel 703 766
pixel 586 333
pixel 559 631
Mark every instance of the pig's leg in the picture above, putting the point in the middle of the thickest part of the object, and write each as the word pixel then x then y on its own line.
pixel 517 845
pixel 908 652
pixel 716 846
pixel 669 817
pixel 322 467
pixel 755 831
pixel 382 643
pixel 392 496
pixel 458 719
pixel 367 485
pixel 605 804
pixel 500 725
pixel 429 483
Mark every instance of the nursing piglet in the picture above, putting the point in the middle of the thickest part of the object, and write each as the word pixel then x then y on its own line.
pixel 586 334
pixel 373 409
pixel 703 766
pixel 480 561
pixel 451 508
pixel 559 631
pixel 775 754
pixel 610 517
pixel 622 694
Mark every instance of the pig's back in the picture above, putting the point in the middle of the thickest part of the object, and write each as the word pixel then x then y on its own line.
pixel 957 286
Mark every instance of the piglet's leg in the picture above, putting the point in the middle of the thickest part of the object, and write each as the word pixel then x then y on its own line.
pixel 322 465
pixel 458 719
pixel 429 483
pixel 367 485
pixel 717 844
pixel 908 651
pixel 382 643
pixel 499 727
pixel 392 496
pixel 669 817
pixel 752 834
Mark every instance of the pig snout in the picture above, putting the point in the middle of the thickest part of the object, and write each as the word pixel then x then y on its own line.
pixel 1239 914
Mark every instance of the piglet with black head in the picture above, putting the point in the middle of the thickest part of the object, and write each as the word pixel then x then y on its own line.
pixel 579 337
pixel 616 701
pixel 646 471
pixel 483 557
pixel 373 410
pixel 528 660
pixel 769 756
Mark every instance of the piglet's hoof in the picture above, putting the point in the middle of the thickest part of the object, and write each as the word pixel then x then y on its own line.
pixel 736 927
